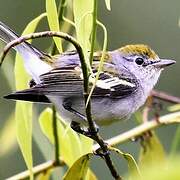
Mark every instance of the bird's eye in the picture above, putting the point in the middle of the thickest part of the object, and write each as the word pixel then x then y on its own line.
pixel 139 61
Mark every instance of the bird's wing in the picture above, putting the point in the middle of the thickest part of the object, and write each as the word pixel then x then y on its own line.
pixel 68 81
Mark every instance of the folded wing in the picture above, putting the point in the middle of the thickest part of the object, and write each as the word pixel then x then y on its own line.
pixel 68 81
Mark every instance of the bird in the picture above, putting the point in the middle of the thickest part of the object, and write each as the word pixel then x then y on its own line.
pixel 125 81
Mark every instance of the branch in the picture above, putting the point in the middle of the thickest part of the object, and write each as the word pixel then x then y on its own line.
pixel 165 97
pixel 171 118
pixel 42 168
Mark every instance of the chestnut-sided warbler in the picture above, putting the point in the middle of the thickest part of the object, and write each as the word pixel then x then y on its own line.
pixel 127 77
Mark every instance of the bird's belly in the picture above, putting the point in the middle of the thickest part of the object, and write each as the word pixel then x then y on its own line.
pixel 104 111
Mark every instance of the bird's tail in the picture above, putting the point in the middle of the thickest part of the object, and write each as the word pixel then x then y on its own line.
pixel 31 55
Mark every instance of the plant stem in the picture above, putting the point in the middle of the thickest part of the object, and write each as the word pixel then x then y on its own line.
pixel 94 28
pixel 55 135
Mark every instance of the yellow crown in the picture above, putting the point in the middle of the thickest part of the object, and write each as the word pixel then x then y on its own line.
pixel 139 49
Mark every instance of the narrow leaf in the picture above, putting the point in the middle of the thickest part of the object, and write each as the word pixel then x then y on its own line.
pixel 79 169
pixel 175 147
pixel 8 140
pixel 152 152
pixel 86 144
pixel 53 21
pixel 83 23
pixel 163 171
pixel 173 108
pixel 45 120
pixel 91 175
pixel 132 165
pixel 71 147
pixel 23 113
pixel 108 4
pixel 44 175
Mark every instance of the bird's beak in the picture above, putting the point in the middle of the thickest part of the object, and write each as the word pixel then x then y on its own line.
pixel 163 63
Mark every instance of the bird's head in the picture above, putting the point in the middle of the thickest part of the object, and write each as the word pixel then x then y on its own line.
pixel 143 62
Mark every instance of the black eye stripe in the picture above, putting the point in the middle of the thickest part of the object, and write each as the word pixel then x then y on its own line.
pixel 128 59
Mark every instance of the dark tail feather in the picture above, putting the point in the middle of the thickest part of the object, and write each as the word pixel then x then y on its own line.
pixel 26 95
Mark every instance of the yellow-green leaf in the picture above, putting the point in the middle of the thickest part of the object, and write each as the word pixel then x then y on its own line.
pixel 31 27
pixel 163 171
pixel 44 175
pixel 68 139
pixel 79 169
pixel 23 112
pixel 24 131
pixel 74 141
pixel 83 23
pixel 8 140
pixel 86 144
pixel 108 4
pixel 91 175
pixel 152 152
pixel 45 120
pixel 175 146
pixel 174 108
pixel 53 21
pixel 132 165
pixel 7 70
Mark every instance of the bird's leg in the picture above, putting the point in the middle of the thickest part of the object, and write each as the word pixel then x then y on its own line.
pixel 85 131
pixel 67 104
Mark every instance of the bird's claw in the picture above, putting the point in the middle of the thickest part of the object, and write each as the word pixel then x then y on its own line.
pixel 87 132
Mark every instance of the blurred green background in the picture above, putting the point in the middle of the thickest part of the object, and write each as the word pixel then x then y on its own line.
pixel 152 22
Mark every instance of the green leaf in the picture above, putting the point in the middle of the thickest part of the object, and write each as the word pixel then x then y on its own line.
pixel 83 23
pixel 53 21
pixel 45 120
pixel 163 171
pixel 44 175
pixel 7 70
pixel 23 113
pixel 174 108
pixel 24 131
pixel 73 141
pixel 152 152
pixel 91 175
pixel 8 140
pixel 175 147
pixel 132 165
pixel 31 27
pixel 108 4
pixel 86 144
pixel 79 169
pixel 71 147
